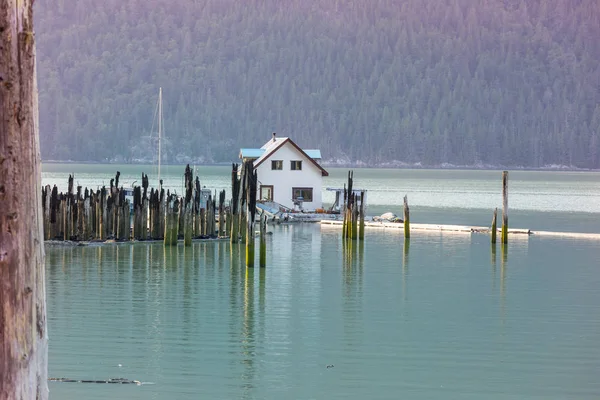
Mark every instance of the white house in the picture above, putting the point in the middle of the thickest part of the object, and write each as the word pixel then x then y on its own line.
pixel 287 174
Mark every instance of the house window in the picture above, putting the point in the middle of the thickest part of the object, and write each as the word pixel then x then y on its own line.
pixel 296 165
pixel 305 193
pixel 277 164
pixel 266 192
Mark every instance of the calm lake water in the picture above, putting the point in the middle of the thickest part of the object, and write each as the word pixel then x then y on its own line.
pixel 442 318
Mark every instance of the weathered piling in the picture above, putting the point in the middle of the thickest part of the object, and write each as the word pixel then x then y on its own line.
pixel 251 213
pixel 171 220
pixel 406 219
pixel 23 335
pixel 494 226
pixel 79 212
pixel 203 221
pixel 137 213
pixel 145 208
pixel 243 222
pixel 505 207
pixel 361 227
pixel 196 214
pixel 208 216
pixel 263 241
pixel 87 216
pixel 162 209
pixel 188 207
pixel 105 214
pixel 355 215
pixel 67 209
pixel 345 214
pixel 54 213
pixel 222 217
pixel 46 198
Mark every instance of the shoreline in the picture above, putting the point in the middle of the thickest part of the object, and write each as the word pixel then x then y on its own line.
pixel 388 165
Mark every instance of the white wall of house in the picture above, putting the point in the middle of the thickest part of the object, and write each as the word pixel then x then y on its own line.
pixel 284 180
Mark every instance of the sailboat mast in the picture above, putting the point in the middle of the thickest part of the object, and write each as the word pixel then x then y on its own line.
pixel 159 128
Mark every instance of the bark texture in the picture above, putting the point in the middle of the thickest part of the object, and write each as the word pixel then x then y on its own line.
pixel 23 336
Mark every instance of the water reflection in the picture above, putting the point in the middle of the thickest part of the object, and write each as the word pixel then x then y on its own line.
pixel 493 261
pixel 405 251
pixel 248 339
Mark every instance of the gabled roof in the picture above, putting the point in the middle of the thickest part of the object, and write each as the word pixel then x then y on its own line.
pixel 274 144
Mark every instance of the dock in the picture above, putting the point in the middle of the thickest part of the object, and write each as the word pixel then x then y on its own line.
pixel 465 229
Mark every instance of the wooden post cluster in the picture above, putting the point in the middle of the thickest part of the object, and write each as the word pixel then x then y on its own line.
pixel 354 218
pixel 85 215
pixel 251 181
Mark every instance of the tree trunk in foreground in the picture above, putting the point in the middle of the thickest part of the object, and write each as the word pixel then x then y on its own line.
pixel 23 336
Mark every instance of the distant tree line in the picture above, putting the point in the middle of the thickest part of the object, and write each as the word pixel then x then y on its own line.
pixel 464 82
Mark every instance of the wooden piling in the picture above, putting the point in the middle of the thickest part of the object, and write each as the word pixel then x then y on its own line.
pixel 162 210
pixel 406 219
pixel 345 214
pixel 145 208
pixel 263 241
pixel 494 226
pixel 188 206
pixel 354 218
pixel 243 222
pixel 361 227
pixel 196 214
pixel 203 221
pixel 46 199
pixel 222 217
pixel 251 213
pixel 87 216
pixel 23 335
pixel 137 213
pixel 505 207
pixel 54 211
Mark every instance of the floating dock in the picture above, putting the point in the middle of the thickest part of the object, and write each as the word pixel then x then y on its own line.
pixel 466 229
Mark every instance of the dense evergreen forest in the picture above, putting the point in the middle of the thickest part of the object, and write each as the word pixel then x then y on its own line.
pixel 384 82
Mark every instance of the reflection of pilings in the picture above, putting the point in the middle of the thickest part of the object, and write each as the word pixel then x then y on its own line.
pixel 503 259
pixel 248 340
pixel 405 251
pixel 406 219
pixel 494 266
pixel 505 207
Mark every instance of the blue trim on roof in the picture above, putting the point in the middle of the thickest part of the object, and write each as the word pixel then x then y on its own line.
pixel 251 153
pixel 314 154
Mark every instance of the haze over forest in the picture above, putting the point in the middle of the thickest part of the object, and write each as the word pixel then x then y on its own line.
pixel 384 82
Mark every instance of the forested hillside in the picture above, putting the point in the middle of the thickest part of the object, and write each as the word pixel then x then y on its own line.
pixel 463 82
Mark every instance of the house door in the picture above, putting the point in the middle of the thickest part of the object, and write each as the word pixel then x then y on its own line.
pixel 266 192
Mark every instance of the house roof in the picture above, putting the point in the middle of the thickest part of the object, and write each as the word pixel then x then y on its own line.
pixel 251 153
pixel 274 144
pixel 256 153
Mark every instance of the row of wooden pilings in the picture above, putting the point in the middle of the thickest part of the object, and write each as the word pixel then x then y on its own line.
pixel 106 214
pixel 354 213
